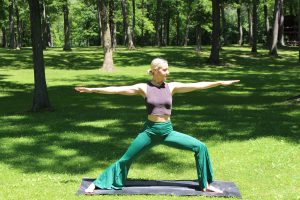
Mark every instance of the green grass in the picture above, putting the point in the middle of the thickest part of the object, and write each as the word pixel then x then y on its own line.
pixel 251 131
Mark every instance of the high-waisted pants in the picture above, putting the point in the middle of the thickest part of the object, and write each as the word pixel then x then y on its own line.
pixel 114 177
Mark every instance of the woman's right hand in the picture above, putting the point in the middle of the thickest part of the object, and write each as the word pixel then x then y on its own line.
pixel 82 89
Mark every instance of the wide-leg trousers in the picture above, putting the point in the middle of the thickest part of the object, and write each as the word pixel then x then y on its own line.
pixel 154 133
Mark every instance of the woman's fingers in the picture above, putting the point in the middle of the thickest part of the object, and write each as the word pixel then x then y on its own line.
pixel 79 89
pixel 229 82
pixel 235 81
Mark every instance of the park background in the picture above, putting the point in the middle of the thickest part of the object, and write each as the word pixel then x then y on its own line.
pixel 52 137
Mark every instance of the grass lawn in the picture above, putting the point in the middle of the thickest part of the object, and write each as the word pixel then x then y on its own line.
pixel 251 131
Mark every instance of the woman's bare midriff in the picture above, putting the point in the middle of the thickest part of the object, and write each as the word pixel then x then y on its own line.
pixel 159 118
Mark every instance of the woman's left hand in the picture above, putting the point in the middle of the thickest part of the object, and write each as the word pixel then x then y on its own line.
pixel 225 83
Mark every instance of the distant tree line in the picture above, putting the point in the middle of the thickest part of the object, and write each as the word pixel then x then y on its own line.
pixel 149 22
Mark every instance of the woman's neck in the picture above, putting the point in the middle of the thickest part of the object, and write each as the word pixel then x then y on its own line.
pixel 156 82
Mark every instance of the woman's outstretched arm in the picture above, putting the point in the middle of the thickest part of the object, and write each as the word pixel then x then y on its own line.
pixel 177 87
pixel 137 89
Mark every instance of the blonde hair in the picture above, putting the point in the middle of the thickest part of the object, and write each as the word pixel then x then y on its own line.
pixel 156 64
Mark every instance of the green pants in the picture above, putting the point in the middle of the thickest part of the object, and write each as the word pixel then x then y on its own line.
pixel 155 133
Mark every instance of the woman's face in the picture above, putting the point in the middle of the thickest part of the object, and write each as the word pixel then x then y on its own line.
pixel 162 73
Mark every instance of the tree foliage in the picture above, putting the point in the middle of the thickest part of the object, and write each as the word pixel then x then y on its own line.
pixel 85 30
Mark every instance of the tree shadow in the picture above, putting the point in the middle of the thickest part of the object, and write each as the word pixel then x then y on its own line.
pixel 89 130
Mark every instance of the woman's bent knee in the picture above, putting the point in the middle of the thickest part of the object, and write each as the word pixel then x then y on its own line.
pixel 200 148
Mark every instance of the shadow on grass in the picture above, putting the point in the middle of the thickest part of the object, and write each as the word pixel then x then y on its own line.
pixel 183 57
pixel 89 130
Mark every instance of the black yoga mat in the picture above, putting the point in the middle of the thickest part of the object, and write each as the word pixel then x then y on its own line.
pixel 164 187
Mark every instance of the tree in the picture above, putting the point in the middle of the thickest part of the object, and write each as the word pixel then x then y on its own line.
pixel 240 28
pixel 177 28
pixel 166 32
pixel 158 22
pixel 19 30
pixel 4 42
pixel 198 37
pixel 67 45
pixel 127 30
pixel 108 64
pixel 281 26
pixel 267 25
pixel 143 23
pixel 133 20
pixel 255 24
pixel 40 95
pixel 153 22
pixel 12 39
pixel 45 27
pixel 273 47
pixel 202 19
pixel 3 16
pixel 299 28
pixel 224 28
pixel 250 22
pixel 113 31
pixel 187 28
pixel 215 49
pixel 99 23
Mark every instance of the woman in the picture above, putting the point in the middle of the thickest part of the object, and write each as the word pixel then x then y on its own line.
pixel 158 128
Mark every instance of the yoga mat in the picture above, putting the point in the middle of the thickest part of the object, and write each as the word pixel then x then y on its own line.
pixel 164 187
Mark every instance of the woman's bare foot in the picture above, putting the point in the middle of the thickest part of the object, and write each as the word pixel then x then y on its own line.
pixel 90 189
pixel 211 188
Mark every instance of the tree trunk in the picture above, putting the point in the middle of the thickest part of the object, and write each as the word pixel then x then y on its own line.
pixel 158 22
pixel 187 27
pixel 199 38
pixel 148 37
pixel 108 64
pixel 49 37
pixel 44 26
pixel 167 25
pixel 267 25
pixel 133 20
pixel 2 10
pixel 250 22
pixel 224 27
pixel 281 26
pixel 273 48
pixel 299 28
pixel 240 28
pixel 99 24
pixel 130 44
pixel 177 28
pixel 12 41
pixel 142 26
pixel 255 25
pixel 40 96
pixel 163 32
pixel 19 40
pixel 291 7
pixel 215 49
pixel 4 41
pixel 67 45
pixel 112 26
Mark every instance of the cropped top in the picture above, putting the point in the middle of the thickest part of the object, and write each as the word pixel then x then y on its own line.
pixel 158 99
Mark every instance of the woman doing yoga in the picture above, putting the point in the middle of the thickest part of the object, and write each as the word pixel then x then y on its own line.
pixel 158 127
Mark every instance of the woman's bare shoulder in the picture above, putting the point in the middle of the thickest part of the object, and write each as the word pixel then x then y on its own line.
pixel 173 85
pixel 142 87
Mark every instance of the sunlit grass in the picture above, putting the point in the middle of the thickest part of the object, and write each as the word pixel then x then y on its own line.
pixel 251 131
